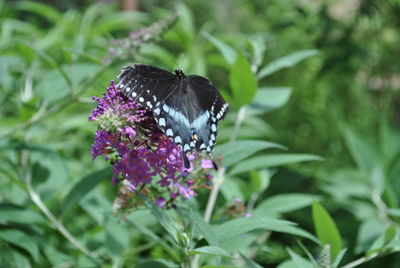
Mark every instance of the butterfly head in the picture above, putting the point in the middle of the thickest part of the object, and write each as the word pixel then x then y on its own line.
pixel 179 74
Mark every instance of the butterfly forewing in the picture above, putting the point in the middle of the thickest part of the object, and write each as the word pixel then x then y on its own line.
pixel 147 85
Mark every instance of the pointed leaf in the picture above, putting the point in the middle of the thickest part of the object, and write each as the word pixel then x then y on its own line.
pixel 239 226
pixel 84 186
pixel 161 216
pixel 11 213
pixel 242 80
pixel 285 62
pixel 298 260
pixel 210 250
pixel 326 228
pixel 233 152
pixel 227 52
pixel 249 262
pixel 266 161
pixel 268 99
pixel 283 203
pixel 22 240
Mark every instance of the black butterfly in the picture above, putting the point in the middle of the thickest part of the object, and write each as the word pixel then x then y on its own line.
pixel 186 108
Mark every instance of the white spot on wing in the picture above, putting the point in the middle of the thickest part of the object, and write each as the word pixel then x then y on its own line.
pixel 212 137
pixel 157 111
pixel 141 99
pixel 149 104
pixel 161 122
pixel 166 108
pixel 134 94
pixel 202 146
pixel 178 139
pixel 186 147
pixel 213 127
pixel 169 131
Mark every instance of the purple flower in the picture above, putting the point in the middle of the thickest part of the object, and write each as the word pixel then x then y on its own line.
pixel 144 159
pixel 160 201
pixel 206 164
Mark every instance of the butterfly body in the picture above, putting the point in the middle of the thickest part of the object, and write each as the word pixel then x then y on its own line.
pixel 186 108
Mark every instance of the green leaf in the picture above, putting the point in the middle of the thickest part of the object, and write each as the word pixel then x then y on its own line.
pixel 233 152
pixel 22 240
pixel 326 228
pixel 268 99
pixel 239 226
pixel 285 62
pixel 249 262
pixel 200 225
pixel 161 216
pixel 11 213
pixel 227 52
pixel 362 152
pixel 260 180
pixel 210 250
pixel 368 232
pixel 19 259
pixel 298 260
pixel 284 203
pixel 242 80
pixel 231 189
pixel 266 161
pixel 116 240
pixel 84 186
pixel 46 11
pixel 390 234
pixel 339 258
pixel 152 264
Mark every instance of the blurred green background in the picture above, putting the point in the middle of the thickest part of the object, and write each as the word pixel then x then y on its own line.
pixel 331 67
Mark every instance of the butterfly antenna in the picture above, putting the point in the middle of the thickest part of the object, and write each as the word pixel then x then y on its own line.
pixel 176 64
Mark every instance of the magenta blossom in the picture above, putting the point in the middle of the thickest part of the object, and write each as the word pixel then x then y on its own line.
pixel 143 157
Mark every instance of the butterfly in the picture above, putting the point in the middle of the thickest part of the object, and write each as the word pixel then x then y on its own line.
pixel 186 108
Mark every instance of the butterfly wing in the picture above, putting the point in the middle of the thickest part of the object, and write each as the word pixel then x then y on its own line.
pixel 207 108
pixel 186 109
pixel 146 84
pixel 160 92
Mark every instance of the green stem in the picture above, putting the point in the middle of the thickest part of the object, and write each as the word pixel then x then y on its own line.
pixel 217 183
pixel 361 260
pixel 35 197
pixel 239 119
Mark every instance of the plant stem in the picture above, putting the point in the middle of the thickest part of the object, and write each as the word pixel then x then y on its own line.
pixel 217 183
pixel 27 176
pixel 361 260
pixel 219 179
pixel 239 119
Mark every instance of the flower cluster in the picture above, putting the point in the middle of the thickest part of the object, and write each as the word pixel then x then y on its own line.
pixel 125 46
pixel 144 159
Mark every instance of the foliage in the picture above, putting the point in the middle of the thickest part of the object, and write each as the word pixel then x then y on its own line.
pixel 56 204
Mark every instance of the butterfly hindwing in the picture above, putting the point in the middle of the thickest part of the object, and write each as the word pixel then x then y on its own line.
pixel 208 107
